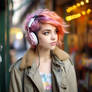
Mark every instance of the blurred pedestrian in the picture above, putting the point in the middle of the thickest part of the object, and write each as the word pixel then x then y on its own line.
pixel 45 67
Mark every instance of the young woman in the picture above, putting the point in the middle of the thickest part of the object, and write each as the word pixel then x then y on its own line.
pixel 44 67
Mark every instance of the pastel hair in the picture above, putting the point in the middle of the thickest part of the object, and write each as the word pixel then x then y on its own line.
pixel 45 16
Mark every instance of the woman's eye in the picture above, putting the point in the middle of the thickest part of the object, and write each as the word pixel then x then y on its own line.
pixel 56 31
pixel 46 33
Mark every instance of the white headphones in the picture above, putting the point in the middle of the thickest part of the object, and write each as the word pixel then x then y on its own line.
pixel 31 36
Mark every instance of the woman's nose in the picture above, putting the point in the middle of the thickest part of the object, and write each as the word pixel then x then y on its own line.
pixel 53 36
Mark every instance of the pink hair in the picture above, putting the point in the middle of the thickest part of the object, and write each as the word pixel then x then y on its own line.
pixel 45 16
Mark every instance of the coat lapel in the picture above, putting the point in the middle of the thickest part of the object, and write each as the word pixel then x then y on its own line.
pixel 59 72
pixel 35 77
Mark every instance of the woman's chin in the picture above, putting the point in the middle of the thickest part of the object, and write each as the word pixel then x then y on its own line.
pixel 52 47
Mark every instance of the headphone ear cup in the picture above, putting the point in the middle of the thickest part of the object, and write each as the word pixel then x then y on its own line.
pixel 32 38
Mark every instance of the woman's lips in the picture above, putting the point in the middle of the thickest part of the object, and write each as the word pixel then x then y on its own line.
pixel 53 43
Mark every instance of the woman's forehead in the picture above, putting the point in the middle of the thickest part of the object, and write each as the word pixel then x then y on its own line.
pixel 47 27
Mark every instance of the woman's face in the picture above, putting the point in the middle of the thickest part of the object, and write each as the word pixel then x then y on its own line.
pixel 47 36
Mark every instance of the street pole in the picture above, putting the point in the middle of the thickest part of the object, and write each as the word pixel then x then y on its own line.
pixel 4 46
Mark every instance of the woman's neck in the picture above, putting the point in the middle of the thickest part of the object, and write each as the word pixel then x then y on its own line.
pixel 44 53
pixel 44 60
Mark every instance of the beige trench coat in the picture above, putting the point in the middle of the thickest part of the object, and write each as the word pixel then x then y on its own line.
pixel 25 76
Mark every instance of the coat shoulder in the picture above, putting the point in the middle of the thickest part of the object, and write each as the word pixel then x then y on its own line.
pixel 15 65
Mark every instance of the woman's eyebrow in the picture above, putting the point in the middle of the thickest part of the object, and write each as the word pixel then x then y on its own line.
pixel 48 30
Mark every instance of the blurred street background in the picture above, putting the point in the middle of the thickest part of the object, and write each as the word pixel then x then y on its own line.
pixel 78 42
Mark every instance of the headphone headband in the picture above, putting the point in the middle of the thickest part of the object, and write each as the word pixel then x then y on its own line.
pixel 32 20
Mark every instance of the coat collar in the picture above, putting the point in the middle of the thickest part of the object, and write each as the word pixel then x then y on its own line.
pixel 29 57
